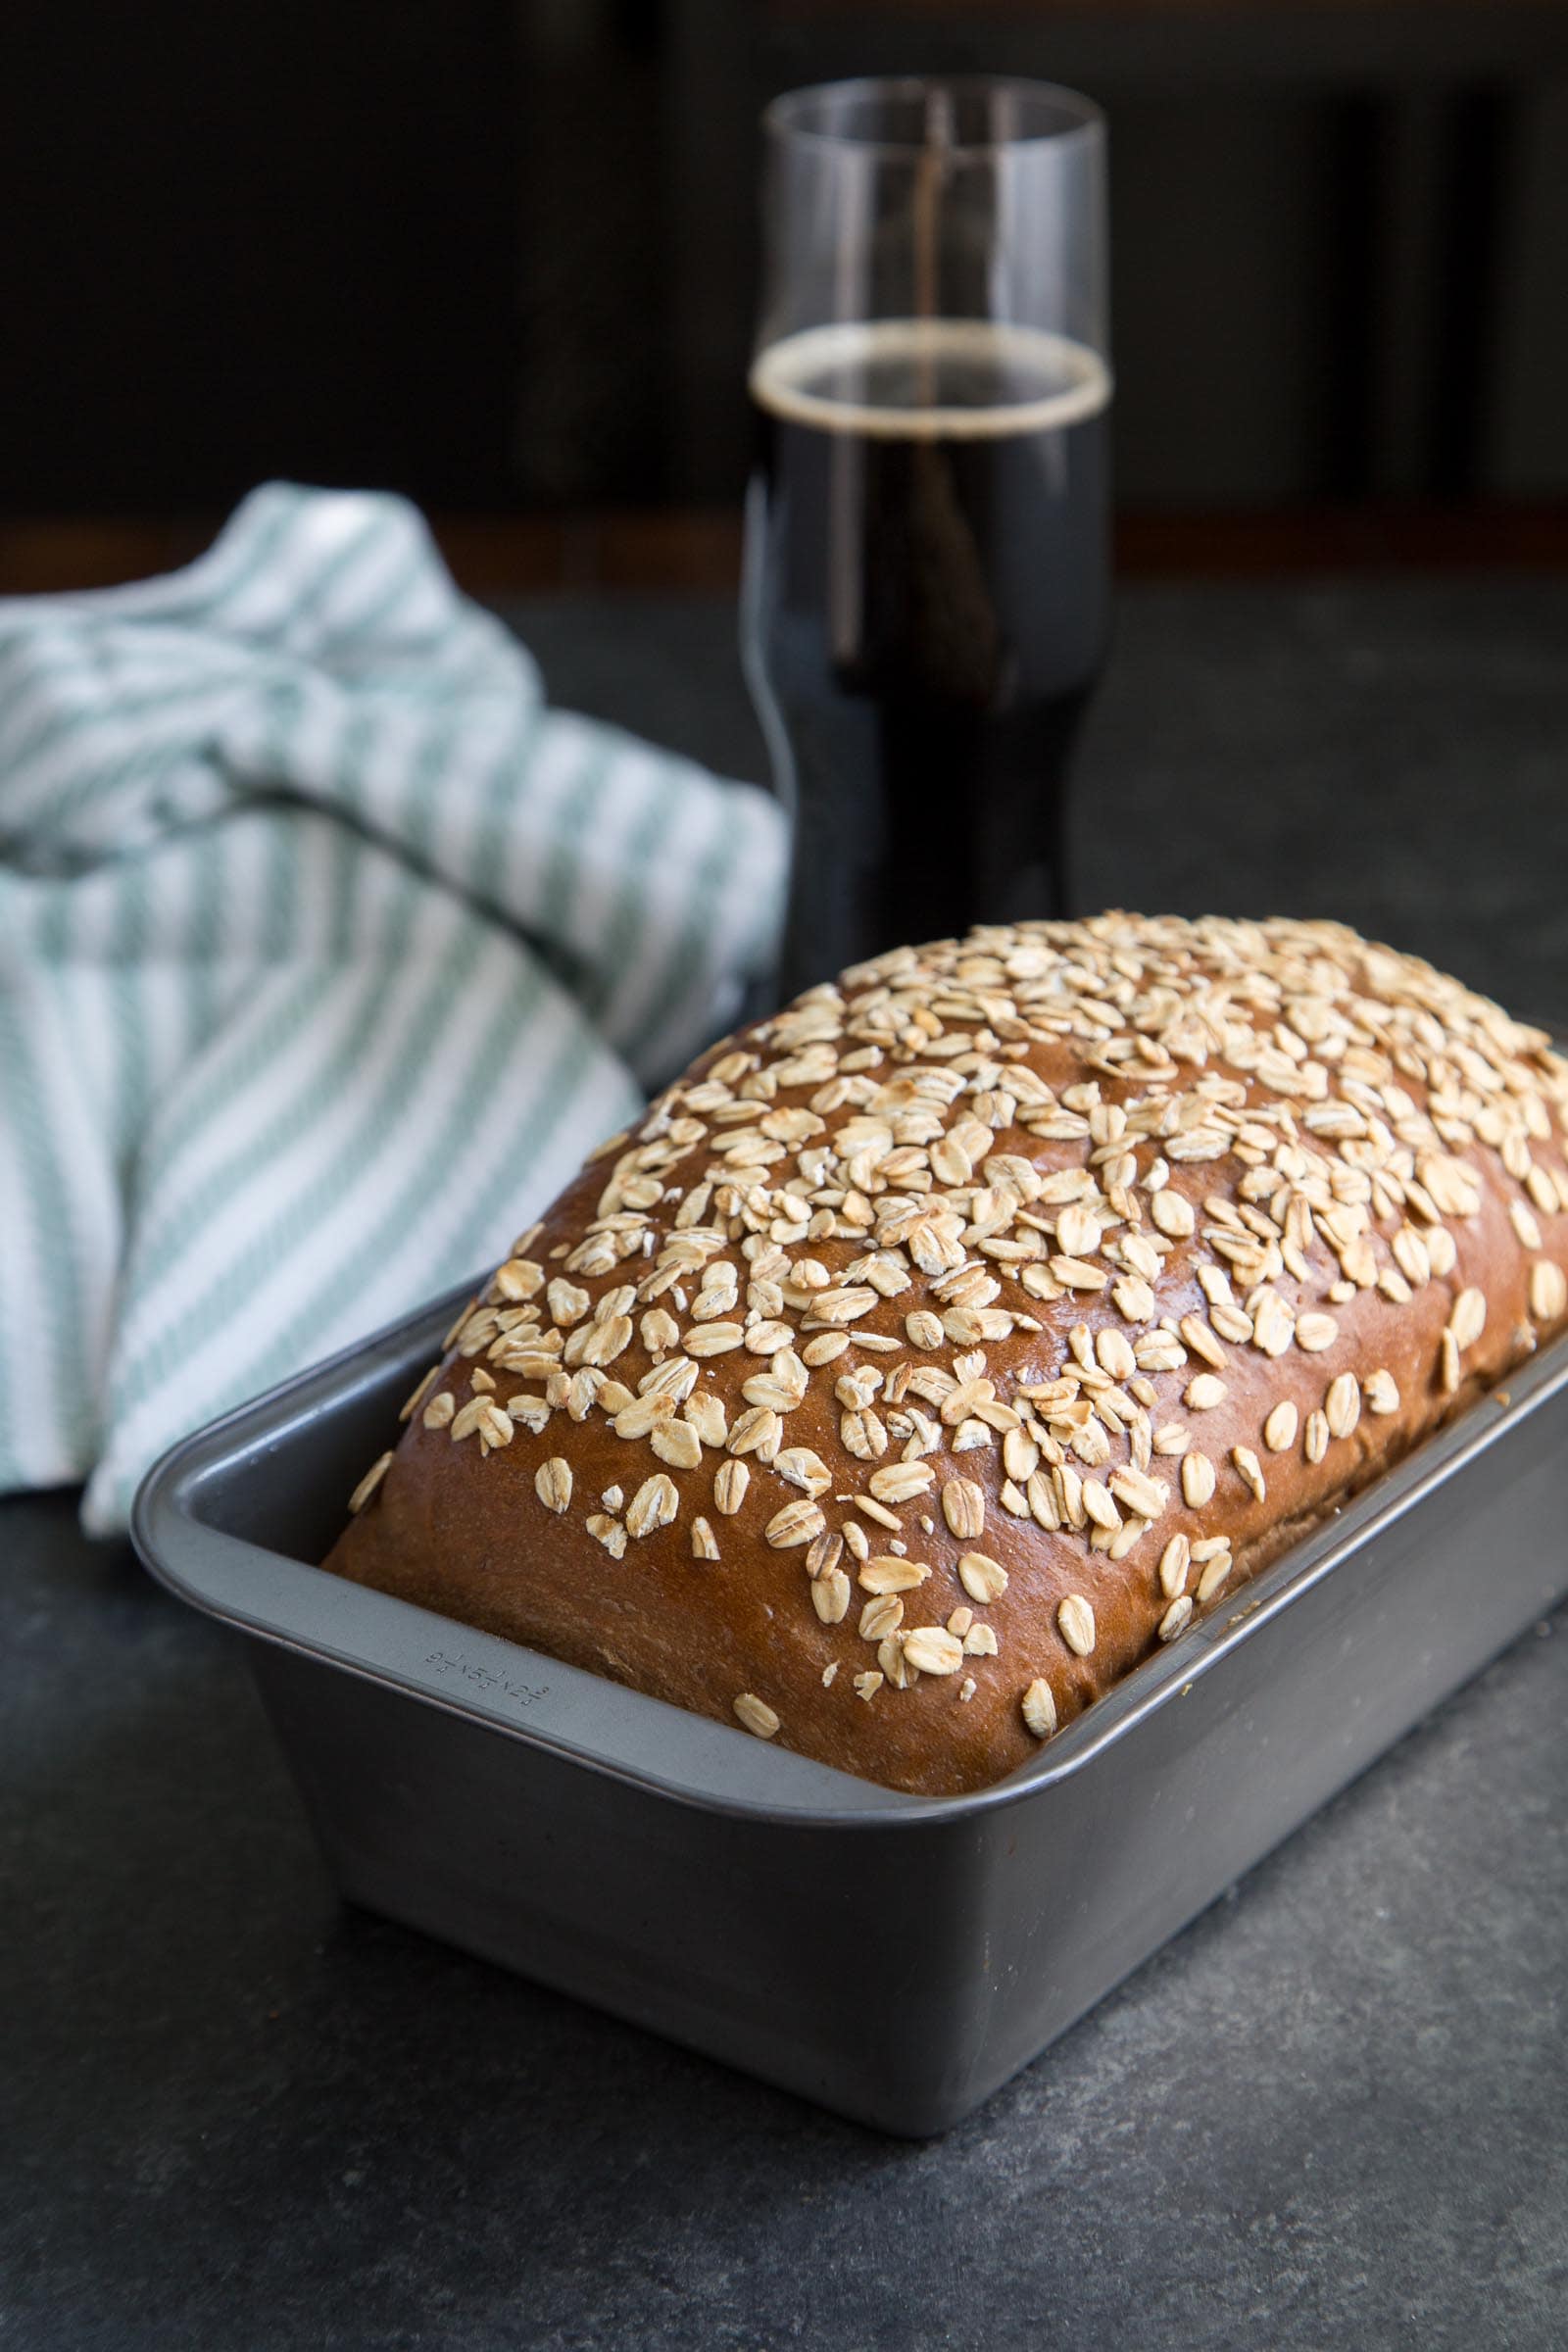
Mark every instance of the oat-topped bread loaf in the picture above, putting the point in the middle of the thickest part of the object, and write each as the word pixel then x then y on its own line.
pixel 937 1349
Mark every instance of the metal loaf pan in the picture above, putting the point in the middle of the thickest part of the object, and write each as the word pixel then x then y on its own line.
pixel 735 1896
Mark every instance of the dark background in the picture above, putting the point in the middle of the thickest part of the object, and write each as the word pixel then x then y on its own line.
pixel 501 256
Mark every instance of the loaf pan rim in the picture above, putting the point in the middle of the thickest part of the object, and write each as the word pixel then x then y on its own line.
pixel 163 1518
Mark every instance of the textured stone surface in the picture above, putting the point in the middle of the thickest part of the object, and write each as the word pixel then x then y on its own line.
pixel 1335 2109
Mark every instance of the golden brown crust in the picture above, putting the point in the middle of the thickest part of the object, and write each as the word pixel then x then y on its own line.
pixel 955 1266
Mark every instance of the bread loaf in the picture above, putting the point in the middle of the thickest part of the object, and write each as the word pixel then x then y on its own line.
pixel 934 1350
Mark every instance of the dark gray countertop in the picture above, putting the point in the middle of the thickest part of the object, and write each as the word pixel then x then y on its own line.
pixel 1335 2110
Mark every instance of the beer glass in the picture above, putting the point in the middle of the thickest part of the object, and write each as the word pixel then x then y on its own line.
pixel 926 589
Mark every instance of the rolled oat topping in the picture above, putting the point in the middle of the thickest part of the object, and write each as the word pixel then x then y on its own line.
pixel 984 1580
pixel 1012 1295
pixel 1040 1709
pixel 1076 1620
pixel 369 1482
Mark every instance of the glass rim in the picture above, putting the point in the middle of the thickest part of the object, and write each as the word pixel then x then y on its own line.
pixel 782 116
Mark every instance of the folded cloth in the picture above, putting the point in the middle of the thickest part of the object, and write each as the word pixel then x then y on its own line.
pixel 326 953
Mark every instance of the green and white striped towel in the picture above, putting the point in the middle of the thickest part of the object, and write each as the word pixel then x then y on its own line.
pixel 326 953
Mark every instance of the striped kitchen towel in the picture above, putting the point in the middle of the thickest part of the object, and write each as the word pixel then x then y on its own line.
pixel 325 953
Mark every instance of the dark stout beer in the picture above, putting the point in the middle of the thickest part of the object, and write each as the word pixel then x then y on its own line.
pixel 925 612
